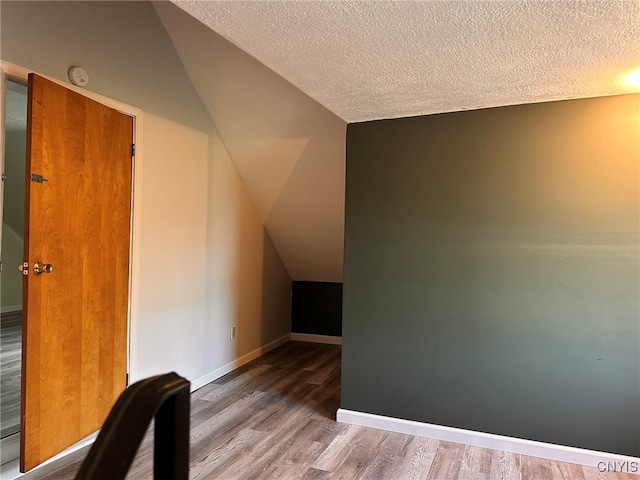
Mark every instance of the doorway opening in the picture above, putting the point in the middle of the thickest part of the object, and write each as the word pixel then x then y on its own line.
pixel 11 256
pixel 15 78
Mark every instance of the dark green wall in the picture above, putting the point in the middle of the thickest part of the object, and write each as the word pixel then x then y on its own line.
pixel 316 308
pixel 492 271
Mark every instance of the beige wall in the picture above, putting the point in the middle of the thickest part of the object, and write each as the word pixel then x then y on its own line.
pixel 287 148
pixel 203 253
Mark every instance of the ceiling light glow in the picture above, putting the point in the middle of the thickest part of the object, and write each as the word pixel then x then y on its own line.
pixel 632 79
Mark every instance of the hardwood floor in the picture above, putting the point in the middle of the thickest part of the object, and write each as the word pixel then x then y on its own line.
pixel 10 358
pixel 274 419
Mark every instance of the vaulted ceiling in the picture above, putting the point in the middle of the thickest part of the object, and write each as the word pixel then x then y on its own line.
pixel 281 80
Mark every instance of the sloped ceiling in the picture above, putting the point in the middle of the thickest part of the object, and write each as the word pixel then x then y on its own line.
pixel 287 148
pixel 282 79
pixel 371 60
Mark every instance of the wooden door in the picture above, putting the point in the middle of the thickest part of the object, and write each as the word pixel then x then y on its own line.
pixel 78 202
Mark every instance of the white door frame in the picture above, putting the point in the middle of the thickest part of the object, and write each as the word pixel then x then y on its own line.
pixel 9 447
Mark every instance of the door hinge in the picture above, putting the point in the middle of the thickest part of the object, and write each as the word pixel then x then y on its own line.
pixel 37 178
pixel 133 150
pixel 126 382
pixel 4 177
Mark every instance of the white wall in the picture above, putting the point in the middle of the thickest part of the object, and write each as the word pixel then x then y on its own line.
pixel 204 255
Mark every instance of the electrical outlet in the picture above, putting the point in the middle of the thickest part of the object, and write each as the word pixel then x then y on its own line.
pixel 233 332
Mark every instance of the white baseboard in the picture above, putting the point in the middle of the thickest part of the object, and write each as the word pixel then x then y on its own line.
pixel 10 308
pixel 308 337
pixel 589 458
pixel 9 448
pixel 231 366
pixel 11 470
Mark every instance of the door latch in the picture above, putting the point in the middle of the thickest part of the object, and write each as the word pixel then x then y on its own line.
pixel 24 268
pixel 37 178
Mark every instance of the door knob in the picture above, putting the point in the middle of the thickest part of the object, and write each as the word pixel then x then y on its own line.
pixel 40 267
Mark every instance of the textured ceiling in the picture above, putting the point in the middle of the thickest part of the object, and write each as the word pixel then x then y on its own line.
pixel 372 60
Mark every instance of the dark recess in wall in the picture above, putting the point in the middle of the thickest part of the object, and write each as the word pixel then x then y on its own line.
pixel 316 308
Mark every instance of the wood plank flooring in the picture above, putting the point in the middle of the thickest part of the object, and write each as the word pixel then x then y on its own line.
pixel 274 419
pixel 10 367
